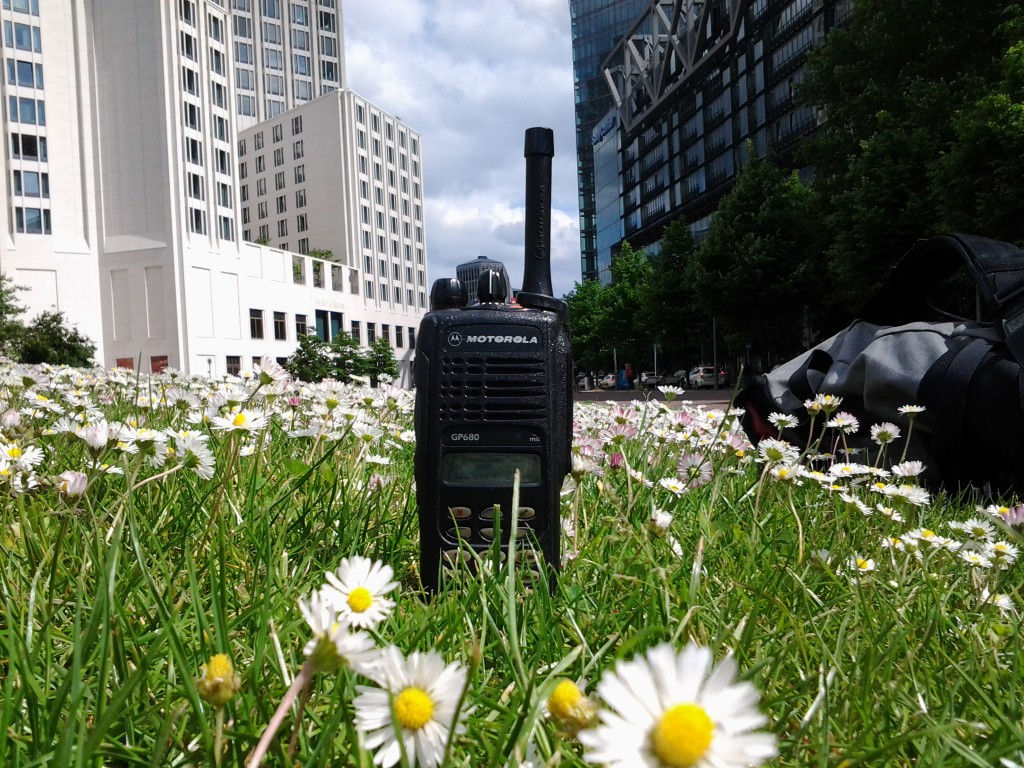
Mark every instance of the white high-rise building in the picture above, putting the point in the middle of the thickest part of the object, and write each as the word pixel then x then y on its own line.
pixel 286 52
pixel 121 141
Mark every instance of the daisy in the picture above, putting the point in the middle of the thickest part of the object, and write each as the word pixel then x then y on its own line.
pixel 72 484
pixel 334 644
pixel 908 469
pixel 885 433
pixel 784 421
pixel 358 590
pixel 243 420
pixel 570 708
pixel 911 410
pixel 413 711
pixel 669 710
pixel 860 564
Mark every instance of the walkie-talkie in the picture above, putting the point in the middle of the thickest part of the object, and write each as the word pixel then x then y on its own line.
pixel 493 396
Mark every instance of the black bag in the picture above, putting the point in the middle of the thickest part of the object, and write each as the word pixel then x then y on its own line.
pixel 966 373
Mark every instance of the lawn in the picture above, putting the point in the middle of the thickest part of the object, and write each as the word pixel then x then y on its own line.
pixel 167 542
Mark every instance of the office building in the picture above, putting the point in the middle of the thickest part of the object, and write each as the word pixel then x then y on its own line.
pixel 286 53
pixel 340 175
pixel 597 27
pixel 695 84
pixel 121 141
pixel 468 274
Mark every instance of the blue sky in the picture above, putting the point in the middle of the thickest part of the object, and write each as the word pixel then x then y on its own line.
pixel 471 76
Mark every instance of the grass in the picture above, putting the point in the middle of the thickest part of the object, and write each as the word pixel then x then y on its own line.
pixel 112 601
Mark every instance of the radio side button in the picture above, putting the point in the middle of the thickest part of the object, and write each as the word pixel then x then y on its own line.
pixel 460 513
pixel 463 532
pixel 454 555
pixel 487 534
pixel 487 514
pixel 527 513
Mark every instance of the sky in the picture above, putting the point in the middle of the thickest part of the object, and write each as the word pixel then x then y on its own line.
pixel 470 76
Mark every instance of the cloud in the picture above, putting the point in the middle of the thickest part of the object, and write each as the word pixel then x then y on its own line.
pixel 470 78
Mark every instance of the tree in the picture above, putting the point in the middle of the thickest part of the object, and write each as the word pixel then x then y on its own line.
pixel 979 183
pixel 585 301
pixel 669 308
pixel 312 361
pixel 890 89
pixel 49 339
pixel 379 361
pixel 347 359
pixel 756 272
pixel 10 311
pixel 620 321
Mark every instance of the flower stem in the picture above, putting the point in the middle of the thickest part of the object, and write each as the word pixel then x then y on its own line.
pixel 218 735
pixel 304 676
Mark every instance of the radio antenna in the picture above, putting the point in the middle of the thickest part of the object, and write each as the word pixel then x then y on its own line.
pixel 539 149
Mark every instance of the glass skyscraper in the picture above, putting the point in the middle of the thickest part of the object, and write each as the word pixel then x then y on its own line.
pixel 597 27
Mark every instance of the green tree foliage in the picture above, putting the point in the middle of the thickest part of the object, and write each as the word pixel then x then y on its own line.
pixel 606 320
pixel 757 270
pixel 379 361
pixel 891 84
pixel 979 183
pixel 670 309
pixel 312 360
pixel 341 359
pixel 10 311
pixel 50 339
pixel 47 338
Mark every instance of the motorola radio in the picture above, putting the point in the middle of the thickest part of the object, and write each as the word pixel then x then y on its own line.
pixel 493 396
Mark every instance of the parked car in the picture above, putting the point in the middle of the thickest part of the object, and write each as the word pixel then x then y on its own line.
pixel 607 381
pixel 677 379
pixel 704 376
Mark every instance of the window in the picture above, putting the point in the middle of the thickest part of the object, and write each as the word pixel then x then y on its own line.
pixel 275 86
pixel 258 140
pixel 224 194
pixel 300 14
pixel 233 364
pixel 368 292
pixel 282 228
pixel 245 79
pixel 272 33
pixel 273 59
pixel 261 186
pixel 216 61
pixel 32 221
pixel 301 224
pixel 196 186
pixel 216 27
pixel 194 151
pixel 197 220
pixel 261 209
pixel 243 28
pixel 31 184
pixel 261 164
pixel 300 39
pixel 29 111
pixel 280 329
pixel 356 331
pixel 278 157
pixel 385 332
pixel 243 192
pixel 223 162
pixel 303 90
pixel 256 323
pixel 300 198
pixel 277 132
pixel 300 174
pixel 247 105
pixel 371 333
pixel 27 146
pixel 282 204
pixel 303 245
pixel 264 233
pixel 398 295
pixel 297 150
pixel 192 116
pixel 399 341
pixel 279 180
pixel 227 227
pixel 296 125
pixel 300 325
pixel 383 292
pixel 412 336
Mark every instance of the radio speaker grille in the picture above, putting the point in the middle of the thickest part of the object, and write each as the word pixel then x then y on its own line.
pixel 492 389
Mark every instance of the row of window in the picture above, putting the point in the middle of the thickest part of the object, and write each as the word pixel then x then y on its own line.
pixel 327 326
pixel 24 37
pixel 375 127
pixel 32 221
pixel 410 297
pixel 21 109
pixel 396 270
pixel 23 6
pixel 27 74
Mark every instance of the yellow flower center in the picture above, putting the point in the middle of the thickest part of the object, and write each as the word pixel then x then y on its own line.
pixel 682 736
pixel 239 420
pixel 562 701
pixel 359 599
pixel 863 564
pixel 14 452
pixel 413 708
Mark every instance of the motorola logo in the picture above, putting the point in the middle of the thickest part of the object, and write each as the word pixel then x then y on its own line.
pixel 454 339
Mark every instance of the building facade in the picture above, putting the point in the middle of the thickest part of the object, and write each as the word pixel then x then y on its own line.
pixel 285 52
pixel 120 149
pixel 695 86
pixel 597 27
pixel 468 274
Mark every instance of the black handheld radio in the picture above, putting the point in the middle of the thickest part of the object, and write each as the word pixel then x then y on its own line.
pixel 492 396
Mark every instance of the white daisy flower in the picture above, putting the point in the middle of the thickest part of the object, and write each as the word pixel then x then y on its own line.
pixel 861 564
pixel 885 433
pixel 72 483
pixel 241 420
pixel 423 692
pixel 675 709
pixel 334 644
pixel 358 590
pixel 908 469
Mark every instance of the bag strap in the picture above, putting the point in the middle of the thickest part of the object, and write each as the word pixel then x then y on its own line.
pixel 996 267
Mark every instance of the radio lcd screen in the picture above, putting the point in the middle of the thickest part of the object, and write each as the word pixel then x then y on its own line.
pixel 490 469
